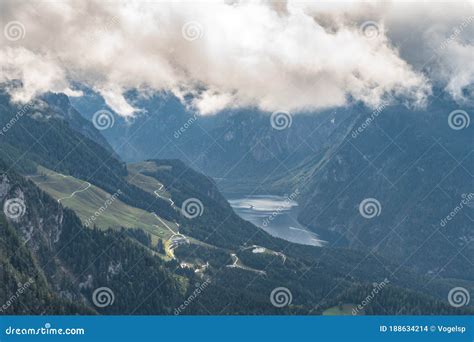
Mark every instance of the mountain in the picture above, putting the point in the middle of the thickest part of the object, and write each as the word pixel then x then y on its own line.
pixel 410 160
pixel 407 159
pixel 42 136
pixel 238 148
pixel 18 272
pixel 135 139
pixel 197 242
pixel 71 261
pixel 215 220
pixel 417 169
pixel 60 104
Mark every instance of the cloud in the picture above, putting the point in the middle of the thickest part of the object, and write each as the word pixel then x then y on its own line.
pixel 38 73
pixel 293 56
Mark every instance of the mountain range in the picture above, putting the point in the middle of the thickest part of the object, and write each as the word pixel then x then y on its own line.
pixel 139 209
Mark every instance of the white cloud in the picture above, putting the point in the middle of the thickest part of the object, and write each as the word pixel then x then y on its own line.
pixel 291 56
pixel 38 73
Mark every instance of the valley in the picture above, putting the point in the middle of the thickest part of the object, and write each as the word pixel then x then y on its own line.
pixel 92 220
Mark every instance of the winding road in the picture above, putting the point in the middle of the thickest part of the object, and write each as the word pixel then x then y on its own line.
pixel 163 197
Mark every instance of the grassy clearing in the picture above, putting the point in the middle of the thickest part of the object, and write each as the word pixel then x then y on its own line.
pixel 86 199
pixel 146 183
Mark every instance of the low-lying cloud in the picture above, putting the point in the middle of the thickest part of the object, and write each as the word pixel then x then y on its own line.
pixel 293 56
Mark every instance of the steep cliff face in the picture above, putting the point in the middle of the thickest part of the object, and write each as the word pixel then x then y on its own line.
pixel 415 170
pixel 30 232
pixel 24 287
pixel 38 219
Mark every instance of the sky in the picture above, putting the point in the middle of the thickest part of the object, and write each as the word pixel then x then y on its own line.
pixel 290 56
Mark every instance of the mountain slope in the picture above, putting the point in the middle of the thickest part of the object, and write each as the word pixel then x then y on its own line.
pixel 38 136
pixel 238 148
pixel 239 263
pixel 24 290
pixel 75 261
pixel 417 168
pixel 235 248
pixel 86 199
pixel 215 221
pixel 59 103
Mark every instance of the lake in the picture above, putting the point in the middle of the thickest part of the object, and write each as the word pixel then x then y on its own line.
pixel 276 215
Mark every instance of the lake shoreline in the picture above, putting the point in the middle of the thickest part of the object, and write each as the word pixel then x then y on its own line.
pixel 276 215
